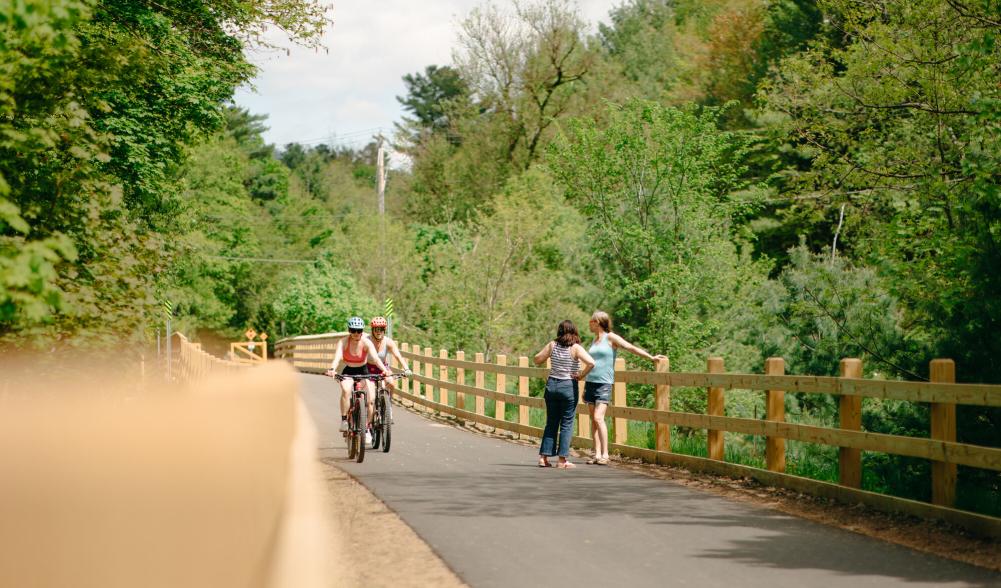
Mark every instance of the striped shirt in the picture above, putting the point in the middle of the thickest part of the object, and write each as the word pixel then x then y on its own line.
pixel 562 364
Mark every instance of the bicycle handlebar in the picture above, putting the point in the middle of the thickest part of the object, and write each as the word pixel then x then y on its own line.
pixel 373 377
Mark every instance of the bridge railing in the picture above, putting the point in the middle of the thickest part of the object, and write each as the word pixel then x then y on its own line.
pixel 436 374
pixel 194 364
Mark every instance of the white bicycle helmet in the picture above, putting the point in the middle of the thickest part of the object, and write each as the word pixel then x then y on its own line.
pixel 356 322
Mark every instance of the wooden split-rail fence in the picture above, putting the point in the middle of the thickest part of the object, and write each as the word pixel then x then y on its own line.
pixel 437 373
pixel 194 364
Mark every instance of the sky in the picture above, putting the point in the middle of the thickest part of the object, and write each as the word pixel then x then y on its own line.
pixel 347 93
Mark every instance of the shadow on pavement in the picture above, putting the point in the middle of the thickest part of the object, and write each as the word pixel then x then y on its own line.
pixel 714 528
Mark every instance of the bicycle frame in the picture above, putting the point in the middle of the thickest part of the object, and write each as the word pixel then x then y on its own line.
pixel 357 415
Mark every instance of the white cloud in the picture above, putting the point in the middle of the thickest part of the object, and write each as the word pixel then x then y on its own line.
pixel 351 86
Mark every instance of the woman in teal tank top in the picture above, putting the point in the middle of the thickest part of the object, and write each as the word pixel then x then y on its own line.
pixel 598 385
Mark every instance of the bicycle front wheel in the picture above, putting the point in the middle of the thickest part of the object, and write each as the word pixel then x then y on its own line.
pixel 361 422
pixel 387 424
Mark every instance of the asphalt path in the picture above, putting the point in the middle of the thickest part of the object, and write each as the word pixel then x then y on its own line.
pixel 499 520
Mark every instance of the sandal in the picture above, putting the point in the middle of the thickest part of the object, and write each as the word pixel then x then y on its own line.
pixel 592 461
pixel 545 464
pixel 567 465
pixel 602 461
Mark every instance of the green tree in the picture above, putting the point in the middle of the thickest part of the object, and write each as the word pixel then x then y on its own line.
pixel 515 265
pixel 430 96
pixel 320 300
pixel 38 124
pixel 524 68
pixel 658 189
pixel 101 101
pixel 912 154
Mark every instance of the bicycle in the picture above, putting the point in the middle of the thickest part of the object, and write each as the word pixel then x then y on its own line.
pixel 382 420
pixel 358 414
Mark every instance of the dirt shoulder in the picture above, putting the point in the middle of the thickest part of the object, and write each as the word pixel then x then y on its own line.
pixel 931 537
pixel 378 548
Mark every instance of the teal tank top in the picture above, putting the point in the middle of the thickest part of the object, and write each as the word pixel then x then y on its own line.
pixel 604 362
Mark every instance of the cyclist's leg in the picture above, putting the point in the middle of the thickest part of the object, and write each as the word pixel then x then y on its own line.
pixel 345 403
pixel 390 390
pixel 345 395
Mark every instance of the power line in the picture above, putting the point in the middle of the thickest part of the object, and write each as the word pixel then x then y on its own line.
pixel 260 259
pixel 339 139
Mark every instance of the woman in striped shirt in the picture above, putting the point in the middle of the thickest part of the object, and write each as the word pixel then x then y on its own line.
pixel 566 354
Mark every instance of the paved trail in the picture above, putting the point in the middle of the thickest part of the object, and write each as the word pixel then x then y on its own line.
pixel 498 520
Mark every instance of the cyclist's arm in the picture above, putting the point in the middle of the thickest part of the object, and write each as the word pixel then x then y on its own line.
pixel 373 356
pixel 395 350
pixel 338 356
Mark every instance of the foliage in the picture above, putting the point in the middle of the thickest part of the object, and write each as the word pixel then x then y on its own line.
pixel 430 96
pixel 906 153
pixel 524 68
pixel 657 189
pixel 514 269
pixel 320 300
pixel 829 310
pixel 101 101
pixel 35 45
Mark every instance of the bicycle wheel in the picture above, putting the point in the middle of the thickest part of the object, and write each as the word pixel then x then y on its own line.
pixel 352 436
pixel 361 421
pixel 377 420
pixel 387 424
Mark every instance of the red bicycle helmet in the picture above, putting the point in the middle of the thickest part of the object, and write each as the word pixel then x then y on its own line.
pixel 378 322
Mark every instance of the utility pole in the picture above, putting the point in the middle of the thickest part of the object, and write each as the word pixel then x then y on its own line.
pixel 380 172
pixel 380 182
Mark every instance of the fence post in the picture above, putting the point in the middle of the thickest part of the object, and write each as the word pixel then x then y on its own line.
pixel 715 407
pixel 663 402
pixel 479 383
pixel 443 376
pixel 405 385
pixel 775 410
pixel 620 425
pixel 523 392
pixel 417 371
pixel 460 379
pixel 500 405
pixel 943 428
pixel 850 416
pixel 429 374
pixel 583 419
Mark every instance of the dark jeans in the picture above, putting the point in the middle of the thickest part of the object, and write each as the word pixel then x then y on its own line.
pixel 561 408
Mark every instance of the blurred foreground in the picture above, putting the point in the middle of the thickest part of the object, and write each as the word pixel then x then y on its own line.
pixel 116 481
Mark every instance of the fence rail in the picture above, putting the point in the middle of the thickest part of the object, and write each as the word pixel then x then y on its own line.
pixel 194 364
pixel 428 391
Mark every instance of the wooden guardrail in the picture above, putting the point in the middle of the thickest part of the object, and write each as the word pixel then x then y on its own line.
pixel 219 480
pixel 313 354
pixel 193 364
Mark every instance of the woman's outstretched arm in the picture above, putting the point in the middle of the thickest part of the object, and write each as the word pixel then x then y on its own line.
pixel 623 344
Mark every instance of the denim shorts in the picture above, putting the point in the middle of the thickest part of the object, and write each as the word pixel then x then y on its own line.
pixel 595 392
